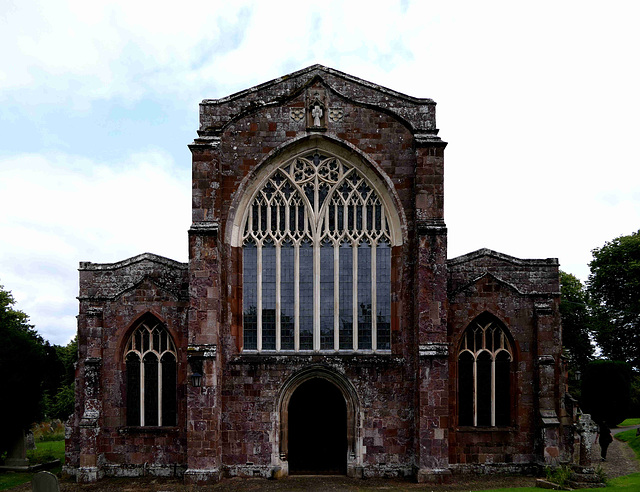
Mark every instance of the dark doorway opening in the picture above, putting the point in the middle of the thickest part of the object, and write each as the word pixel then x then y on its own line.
pixel 317 429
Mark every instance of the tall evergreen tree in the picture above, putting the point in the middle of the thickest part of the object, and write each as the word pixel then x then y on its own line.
pixel 22 361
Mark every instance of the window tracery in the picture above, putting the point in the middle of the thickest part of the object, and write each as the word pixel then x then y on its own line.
pixel 151 376
pixel 316 260
pixel 484 375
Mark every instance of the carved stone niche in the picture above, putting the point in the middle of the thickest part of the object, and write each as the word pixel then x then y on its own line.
pixel 316 109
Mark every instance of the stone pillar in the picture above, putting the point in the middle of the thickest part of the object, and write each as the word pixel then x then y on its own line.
pixel 548 397
pixel 432 412
pixel 203 403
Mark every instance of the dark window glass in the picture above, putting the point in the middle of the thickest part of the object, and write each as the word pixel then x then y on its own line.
pixel 287 296
pixel 268 296
pixel 383 296
pixel 465 388
pixel 503 388
pixel 326 296
pixel 306 296
pixel 150 389
pixel 250 296
pixel 169 401
pixel 484 388
pixel 133 388
pixel 346 296
pixel 364 296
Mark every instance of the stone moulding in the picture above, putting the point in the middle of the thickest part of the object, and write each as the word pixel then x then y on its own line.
pixel 433 349
pixel 205 228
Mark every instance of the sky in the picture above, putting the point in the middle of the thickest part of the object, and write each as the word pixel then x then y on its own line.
pixel 539 103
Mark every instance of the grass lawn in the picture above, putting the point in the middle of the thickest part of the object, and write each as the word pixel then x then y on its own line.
pixel 45 451
pixel 628 422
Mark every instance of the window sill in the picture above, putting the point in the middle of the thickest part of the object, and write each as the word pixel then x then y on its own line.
pixel 133 429
pixel 501 428
pixel 351 357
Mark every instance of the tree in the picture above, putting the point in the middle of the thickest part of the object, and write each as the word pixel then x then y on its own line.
pixel 576 321
pixel 614 285
pixel 22 359
pixel 606 391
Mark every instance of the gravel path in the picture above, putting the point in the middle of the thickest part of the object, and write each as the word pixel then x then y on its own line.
pixel 621 459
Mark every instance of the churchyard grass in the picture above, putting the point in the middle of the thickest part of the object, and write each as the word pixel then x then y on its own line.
pixel 628 422
pixel 45 451
pixel 631 439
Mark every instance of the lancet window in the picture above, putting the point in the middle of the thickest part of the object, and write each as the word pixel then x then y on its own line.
pixel 151 376
pixel 316 260
pixel 484 375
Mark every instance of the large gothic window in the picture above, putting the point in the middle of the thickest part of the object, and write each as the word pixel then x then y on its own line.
pixel 484 375
pixel 316 260
pixel 151 376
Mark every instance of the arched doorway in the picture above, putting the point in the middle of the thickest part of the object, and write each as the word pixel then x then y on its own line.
pixel 317 424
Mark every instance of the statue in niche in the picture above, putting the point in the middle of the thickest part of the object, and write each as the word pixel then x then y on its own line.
pixel 316 112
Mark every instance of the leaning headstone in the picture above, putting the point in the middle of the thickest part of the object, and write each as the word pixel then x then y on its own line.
pixel 45 482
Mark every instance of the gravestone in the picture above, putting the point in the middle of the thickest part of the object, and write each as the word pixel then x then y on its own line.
pixel 45 482
pixel 17 456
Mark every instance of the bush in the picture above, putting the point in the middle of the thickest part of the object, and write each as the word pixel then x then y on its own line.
pixel 606 391
pixel 559 475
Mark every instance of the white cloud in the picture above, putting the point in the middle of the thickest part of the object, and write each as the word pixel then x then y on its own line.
pixel 65 209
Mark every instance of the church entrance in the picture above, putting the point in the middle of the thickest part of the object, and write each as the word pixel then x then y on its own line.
pixel 317 429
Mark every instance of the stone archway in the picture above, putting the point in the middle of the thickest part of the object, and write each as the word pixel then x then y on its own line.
pixel 318 423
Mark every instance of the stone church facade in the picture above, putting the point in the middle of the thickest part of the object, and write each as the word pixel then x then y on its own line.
pixel 318 326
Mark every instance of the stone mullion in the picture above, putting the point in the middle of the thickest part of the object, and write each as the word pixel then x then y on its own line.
pixel 336 296
pixel 374 300
pixel 142 422
pixel 296 301
pixel 316 292
pixel 493 389
pixel 475 390
pixel 278 293
pixel 354 307
pixel 259 295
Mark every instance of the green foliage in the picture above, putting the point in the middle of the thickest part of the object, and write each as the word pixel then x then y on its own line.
pixel 576 320
pixel 606 391
pixel 614 285
pixel 22 362
pixel 559 474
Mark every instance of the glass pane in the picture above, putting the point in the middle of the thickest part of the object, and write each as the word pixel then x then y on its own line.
pixel 364 296
pixel 250 296
pixel 156 339
pixel 383 296
pixel 465 389
pixel 133 389
pixel 287 298
pixel 169 402
pixel 326 296
pixel 150 389
pixel 306 296
pixel 346 296
pixel 503 389
pixel 268 296
pixel 145 339
pixel 484 388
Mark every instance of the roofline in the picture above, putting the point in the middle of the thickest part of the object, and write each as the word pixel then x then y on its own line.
pixel 484 252
pixel 88 265
pixel 321 68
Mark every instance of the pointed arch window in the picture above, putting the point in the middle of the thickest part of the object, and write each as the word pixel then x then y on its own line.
pixel 485 363
pixel 151 375
pixel 316 260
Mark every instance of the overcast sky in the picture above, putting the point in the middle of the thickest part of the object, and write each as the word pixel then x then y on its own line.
pixel 539 102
